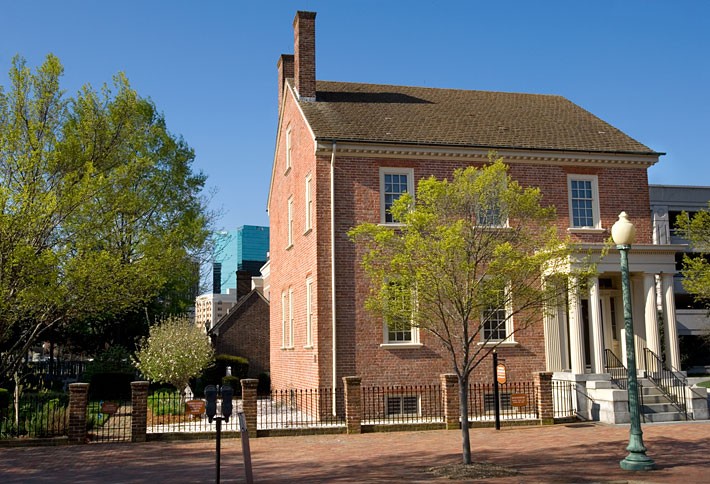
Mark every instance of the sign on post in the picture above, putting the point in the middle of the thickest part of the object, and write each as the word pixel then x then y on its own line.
pixel 109 407
pixel 500 373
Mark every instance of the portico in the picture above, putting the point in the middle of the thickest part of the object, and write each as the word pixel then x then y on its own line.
pixel 579 330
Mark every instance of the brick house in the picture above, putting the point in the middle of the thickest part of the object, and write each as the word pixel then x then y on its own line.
pixel 344 151
pixel 244 329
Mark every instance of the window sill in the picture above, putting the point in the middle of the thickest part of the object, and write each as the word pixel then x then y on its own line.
pixel 585 230
pixel 308 347
pixel 288 169
pixel 391 224
pixel 289 247
pixel 401 346
pixel 505 344
pixel 287 348
pixel 308 231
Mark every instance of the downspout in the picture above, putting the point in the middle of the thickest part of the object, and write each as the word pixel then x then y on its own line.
pixel 332 274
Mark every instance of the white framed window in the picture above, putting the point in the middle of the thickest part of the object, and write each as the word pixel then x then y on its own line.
pixel 284 314
pixel 402 332
pixel 583 193
pixel 289 149
pixel 496 319
pixel 309 312
pixel 290 318
pixel 309 204
pixel 393 183
pixel 289 226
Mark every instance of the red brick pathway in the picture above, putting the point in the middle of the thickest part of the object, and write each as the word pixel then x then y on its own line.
pixel 574 453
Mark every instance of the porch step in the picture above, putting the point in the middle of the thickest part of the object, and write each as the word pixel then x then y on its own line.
pixel 657 407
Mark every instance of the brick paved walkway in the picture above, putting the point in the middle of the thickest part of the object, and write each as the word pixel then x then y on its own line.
pixel 558 454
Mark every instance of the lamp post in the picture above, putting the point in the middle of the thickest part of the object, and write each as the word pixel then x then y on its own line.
pixel 623 233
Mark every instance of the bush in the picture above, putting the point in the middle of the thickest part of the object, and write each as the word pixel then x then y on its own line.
pixel 166 403
pixel 238 364
pixel 116 359
pixel 5 398
pixel 233 382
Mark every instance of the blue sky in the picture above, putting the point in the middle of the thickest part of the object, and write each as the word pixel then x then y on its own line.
pixel 210 66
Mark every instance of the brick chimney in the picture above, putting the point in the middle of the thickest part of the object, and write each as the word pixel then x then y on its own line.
pixel 304 33
pixel 285 68
pixel 243 284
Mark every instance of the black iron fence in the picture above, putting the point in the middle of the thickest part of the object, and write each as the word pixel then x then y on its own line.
pixel 108 421
pixel 37 416
pixel 518 401
pixel 288 409
pixel 169 412
pixel 564 399
pixel 402 404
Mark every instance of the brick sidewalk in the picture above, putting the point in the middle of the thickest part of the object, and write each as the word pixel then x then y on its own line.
pixel 561 453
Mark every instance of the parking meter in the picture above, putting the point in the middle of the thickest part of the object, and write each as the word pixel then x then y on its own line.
pixel 211 402
pixel 227 394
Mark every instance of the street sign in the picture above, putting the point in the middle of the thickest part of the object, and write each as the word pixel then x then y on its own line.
pixel 500 373
pixel 519 399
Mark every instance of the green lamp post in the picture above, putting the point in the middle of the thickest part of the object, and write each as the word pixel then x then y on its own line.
pixel 623 233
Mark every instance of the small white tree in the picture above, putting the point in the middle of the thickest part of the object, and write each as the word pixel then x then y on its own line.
pixel 175 351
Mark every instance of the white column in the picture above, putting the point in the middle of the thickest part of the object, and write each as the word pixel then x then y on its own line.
pixel 638 302
pixel 671 327
pixel 597 331
pixel 553 342
pixel 651 315
pixel 576 332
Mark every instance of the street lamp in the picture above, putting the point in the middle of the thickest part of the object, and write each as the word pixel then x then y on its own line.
pixel 623 233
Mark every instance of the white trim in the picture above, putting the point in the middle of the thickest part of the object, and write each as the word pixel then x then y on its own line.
pixel 401 346
pixel 594 182
pixel 290 317
pixel 309 204
pixel 409 172
pixel 289 149
pixel 283 320
pixel 309 312
pixel 289 225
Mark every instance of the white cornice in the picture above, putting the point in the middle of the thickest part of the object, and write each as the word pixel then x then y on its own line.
pixel 374 150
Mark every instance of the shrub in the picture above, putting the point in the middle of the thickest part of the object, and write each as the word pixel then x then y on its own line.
pixel 238 364
pixel 5 398
pixel 166 403
pixel 233 382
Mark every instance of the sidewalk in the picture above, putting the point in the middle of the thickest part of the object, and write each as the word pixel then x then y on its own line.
pixel 582 452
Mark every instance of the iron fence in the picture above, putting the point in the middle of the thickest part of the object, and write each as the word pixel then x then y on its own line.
pixel 168 413
pixel 39 415
pixel 402 404
pixel 288 409
pixel 108 421
pixel 564 398
pixel 518 401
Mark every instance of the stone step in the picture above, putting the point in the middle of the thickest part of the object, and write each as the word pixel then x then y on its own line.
pixel 658 408
pixel 663 417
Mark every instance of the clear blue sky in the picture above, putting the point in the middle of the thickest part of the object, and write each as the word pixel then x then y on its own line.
pixel 210 66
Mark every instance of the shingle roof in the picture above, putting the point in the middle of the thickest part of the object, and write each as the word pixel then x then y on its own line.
pixel 451 117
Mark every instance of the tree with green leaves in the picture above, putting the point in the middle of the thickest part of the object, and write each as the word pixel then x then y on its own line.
pixel 467 257
pixel 175 351
pixel 100 209
pixel 696 266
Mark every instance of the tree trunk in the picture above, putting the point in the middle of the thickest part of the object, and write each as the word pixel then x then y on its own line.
pixel 463 408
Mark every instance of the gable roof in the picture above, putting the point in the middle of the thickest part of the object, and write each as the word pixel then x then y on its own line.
pixel 235 311
pixel 378 113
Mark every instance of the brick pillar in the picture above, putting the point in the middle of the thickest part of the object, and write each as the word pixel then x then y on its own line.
pixel 450 403
pixel 353 404
pixel 139 411
pixel 249 386
pixel 78 398
pixel 545 406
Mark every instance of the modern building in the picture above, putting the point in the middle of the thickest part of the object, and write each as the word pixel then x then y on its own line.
pixel 668 202
pixel 344 151
pixel 243 249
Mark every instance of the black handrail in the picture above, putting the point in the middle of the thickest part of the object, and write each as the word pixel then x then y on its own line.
pixel 667 381
pixel 615 368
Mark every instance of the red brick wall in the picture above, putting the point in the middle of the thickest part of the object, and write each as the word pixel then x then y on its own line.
pixel 359 333
pixel 246 333
pixel 296 367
